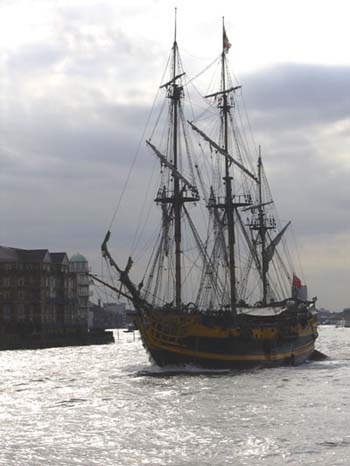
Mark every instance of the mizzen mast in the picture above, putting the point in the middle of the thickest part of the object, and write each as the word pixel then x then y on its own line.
pixel 263 227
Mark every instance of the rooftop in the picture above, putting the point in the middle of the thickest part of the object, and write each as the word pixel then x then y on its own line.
pixel 78 258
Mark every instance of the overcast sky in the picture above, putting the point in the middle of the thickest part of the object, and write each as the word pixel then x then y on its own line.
pixel 77 78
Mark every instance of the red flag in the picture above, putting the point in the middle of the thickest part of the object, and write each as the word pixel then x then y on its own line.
pixel 226 42
pixel 296 282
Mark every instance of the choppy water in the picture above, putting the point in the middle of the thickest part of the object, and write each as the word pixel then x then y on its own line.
pixel 106 405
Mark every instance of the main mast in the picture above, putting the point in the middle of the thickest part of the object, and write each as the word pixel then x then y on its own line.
pixel 228 179
pixel 175 96
pixel 230 204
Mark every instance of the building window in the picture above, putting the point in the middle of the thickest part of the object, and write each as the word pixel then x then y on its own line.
pixel 30 311
pixel 20 312
pixel 6 281
pixel 6 312
pixel 21 281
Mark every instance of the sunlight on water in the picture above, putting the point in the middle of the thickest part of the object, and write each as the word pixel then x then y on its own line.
pixel 108 405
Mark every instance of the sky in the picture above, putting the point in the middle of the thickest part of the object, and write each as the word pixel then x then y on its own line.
pixel 77 79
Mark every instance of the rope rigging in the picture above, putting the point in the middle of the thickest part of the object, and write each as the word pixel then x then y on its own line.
pixel 184 166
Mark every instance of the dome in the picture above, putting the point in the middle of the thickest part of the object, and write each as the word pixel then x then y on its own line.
pixel 78 258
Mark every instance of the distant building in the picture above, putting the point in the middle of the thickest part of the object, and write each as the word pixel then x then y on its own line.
pixel 42 293
pixel 346 314
pixel 326 317
pixel 108 316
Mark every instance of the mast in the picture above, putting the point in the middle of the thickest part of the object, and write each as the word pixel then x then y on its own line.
pixel 231 202
pixel 176 95
pixel 262 232
pixel 177 189
pixel 229 207
pixel 264 224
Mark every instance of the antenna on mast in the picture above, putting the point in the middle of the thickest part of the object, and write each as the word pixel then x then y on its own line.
pixel 175 27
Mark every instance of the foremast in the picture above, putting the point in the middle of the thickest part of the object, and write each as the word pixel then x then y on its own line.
pixel 183 191
pixel 172 195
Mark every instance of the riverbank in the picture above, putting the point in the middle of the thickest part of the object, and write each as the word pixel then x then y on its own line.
pixel 38 341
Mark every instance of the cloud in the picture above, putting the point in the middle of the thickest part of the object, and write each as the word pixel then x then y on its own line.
pixel 301 116
pixel 326 263
pixel 299 96
pixel 74 102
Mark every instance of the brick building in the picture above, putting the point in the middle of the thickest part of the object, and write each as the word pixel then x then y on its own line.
pixel 42 293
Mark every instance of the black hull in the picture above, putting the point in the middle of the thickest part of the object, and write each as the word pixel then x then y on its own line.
pixel 240 360
pixel 266 342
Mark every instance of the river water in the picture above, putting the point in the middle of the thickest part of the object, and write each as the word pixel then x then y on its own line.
pixel 107 405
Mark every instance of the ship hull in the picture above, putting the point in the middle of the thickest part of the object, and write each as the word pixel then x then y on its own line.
pixel 239 360
pixel 246 344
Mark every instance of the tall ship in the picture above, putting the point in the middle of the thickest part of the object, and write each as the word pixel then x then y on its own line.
pixel 219 289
